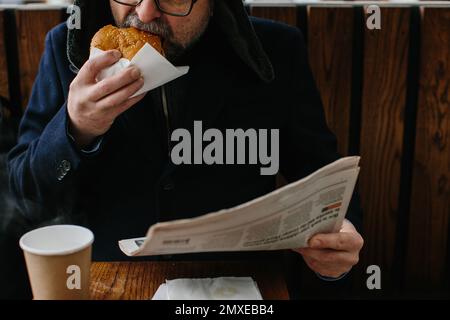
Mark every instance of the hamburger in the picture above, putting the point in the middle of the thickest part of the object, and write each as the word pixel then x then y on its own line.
pixel 127 40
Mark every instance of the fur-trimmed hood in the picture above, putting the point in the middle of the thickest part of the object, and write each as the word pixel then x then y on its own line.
pixel 230 16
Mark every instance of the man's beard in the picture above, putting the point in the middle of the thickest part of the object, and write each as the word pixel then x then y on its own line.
pixel 173 49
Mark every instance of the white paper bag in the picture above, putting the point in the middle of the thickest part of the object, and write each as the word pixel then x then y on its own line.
pixel 223 288
pixel 156 70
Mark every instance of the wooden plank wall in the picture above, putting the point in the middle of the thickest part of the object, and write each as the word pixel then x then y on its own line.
pixel 428 240
pixel 381 146
pixel 32 27
pixel 4 87
pixel 404 181
pixel 284 14
pixel 330 43
pixel 386 95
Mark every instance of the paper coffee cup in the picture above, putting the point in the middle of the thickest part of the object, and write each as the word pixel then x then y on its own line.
pixel 58 260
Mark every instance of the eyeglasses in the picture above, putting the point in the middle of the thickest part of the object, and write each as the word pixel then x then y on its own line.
pixel 178 8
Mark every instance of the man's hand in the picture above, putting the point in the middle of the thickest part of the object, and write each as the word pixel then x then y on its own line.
pixel 93 106
pixel 333 254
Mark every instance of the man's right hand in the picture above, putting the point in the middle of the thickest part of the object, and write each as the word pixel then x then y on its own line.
pixel 93 106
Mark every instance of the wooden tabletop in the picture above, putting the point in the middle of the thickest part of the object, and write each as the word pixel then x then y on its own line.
pixel 140 280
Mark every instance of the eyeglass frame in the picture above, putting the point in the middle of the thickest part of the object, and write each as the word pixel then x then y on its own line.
pixel 159 7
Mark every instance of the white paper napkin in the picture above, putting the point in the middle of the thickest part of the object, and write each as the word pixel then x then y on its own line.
pixel 161 293
pixel 155 69
pixel 223 288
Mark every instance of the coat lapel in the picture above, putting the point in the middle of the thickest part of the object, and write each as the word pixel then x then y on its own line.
pixel 140 125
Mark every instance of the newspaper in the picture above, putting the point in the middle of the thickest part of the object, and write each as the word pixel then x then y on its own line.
pixel 283 219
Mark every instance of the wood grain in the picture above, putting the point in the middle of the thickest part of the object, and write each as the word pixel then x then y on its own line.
pixel 287 15
pixel 330 38
pixel 430 198
pixel 140 280
pixel 382 128
pixel 4 86
pixel 32 27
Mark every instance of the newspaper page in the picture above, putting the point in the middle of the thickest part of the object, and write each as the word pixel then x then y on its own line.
pixel 283 219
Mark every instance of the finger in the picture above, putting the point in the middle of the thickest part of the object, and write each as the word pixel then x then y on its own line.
pixel 93 66
pixel 117 98
pixel 333 271
pixel 311 263
pixel 347 226
pixel 331 257
pixel 114 83
pixel 345 241
pixel 318 267
pixel 129 103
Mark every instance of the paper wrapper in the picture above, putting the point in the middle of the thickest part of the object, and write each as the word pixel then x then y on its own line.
pixel 156 70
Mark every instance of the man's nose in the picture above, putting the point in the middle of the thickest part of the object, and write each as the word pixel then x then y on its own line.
pixel 147 11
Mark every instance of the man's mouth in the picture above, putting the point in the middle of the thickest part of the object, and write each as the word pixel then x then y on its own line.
pixel 161 36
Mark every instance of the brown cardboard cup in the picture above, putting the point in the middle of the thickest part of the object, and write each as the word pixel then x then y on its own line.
pixel 58 261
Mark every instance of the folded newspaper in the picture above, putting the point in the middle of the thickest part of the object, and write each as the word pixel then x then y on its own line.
pixel 283 219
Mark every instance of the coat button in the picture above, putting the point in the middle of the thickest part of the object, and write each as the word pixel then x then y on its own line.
pixel 65 165
pixel 63 168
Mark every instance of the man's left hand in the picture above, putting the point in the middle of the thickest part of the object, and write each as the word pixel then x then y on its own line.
pixel 333 254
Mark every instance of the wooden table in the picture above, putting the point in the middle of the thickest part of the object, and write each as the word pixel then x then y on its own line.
pixel 140 280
